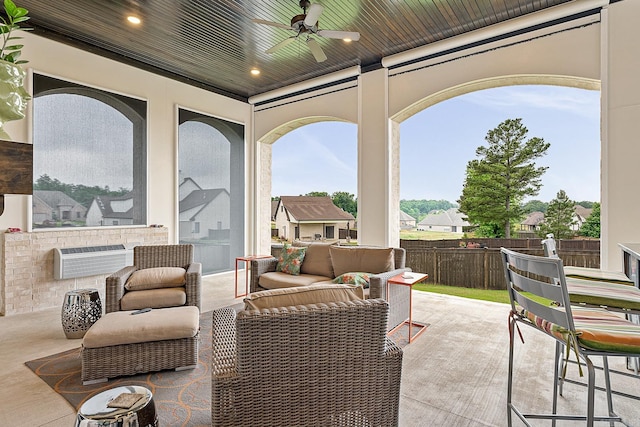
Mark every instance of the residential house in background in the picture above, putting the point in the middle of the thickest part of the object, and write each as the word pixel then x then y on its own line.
pixel 52 206
pixel 407 222
pixel 449 221
pixel 111 210
pixel 201 218
pixel 580 217
pixel 310 218
pixel 532 222
pixel 186 187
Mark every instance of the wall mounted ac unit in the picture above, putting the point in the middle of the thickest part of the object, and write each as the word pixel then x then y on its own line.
pixel 90 260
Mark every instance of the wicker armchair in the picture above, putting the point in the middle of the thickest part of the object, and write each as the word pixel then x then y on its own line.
pixel 310 365
pixel 156 256
pixel 398 296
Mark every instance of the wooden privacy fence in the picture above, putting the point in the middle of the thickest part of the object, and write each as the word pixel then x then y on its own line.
pixel 479 268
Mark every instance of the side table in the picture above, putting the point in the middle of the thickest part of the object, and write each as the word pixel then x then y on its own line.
pixel 407 279
pixel 80 309
pixel 140 411
pixel 247 260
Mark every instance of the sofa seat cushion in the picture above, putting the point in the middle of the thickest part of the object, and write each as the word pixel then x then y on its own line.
pixel 154 298
pixel 156 277
pixel 122 327
pixel 317 260
pixel 303 295
pixel 371 260
pixel 277 279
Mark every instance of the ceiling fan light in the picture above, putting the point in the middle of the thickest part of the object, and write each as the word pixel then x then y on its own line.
pixel 255 72
pixel 347 40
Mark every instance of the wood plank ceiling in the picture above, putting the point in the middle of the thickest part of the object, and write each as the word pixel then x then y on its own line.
pixel 214 44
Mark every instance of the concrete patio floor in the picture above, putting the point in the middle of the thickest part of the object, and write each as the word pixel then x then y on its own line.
pixel 454 374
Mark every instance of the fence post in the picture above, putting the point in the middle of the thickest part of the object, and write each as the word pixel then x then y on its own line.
pixel 485 262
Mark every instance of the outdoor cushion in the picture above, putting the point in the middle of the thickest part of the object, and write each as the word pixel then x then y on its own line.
pixel 361 279
pixel 597 274
pixel 122 327
pixel 157 277
pixel 317 260
pixel 596 328
pixel 607 294
pixel 303 295
pixel 154 298
pixel 371 260
pixel 276 279
pixel 291 259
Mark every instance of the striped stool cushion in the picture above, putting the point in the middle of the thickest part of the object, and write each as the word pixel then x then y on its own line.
pixel 603 294
pixel 596 328
pixel 597 274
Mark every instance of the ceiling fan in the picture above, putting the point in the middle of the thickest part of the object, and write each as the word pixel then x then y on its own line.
pixel 306 24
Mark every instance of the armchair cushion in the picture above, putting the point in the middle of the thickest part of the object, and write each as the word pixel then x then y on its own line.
pixel 291 259
pixel 154 298
pixel 303 295
pixel 154 278
pixel 371 260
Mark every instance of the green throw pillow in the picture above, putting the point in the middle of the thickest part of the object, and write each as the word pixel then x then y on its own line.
pixel 361 279
pixel 291 259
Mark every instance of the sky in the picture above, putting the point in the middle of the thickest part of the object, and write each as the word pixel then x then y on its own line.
pixel 437 143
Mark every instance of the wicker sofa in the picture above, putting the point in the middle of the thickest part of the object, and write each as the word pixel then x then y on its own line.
pixel 323 262
pixel 322 364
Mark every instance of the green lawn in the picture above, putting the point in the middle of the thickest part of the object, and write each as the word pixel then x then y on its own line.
pixel 428 235
pixel 480 294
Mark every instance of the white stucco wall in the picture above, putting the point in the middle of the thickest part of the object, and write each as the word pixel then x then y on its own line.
pixel 162 96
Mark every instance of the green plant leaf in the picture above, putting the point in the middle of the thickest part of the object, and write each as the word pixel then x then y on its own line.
pixel 19 13
pixel 14 47
pixel 10 7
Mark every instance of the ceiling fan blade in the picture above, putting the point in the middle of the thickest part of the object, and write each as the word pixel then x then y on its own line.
pixel 316 50
pixel 331 34
pixel 280 45
pixel 273 24
pixel 315 10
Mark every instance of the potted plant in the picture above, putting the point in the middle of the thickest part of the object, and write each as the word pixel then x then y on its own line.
pixel 13 96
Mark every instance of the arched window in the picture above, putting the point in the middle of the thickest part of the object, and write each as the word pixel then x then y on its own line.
pixel 89 156
pixel 211 189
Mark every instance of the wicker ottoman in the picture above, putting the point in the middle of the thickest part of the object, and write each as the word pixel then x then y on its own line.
pixel 120 343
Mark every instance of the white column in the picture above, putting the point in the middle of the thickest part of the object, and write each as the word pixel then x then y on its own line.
pixel 374 160
pixel 620 129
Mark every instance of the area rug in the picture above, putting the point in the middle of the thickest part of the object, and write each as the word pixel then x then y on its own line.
pixel 181 398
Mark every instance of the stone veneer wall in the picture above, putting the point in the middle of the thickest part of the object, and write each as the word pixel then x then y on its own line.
pixel 26 277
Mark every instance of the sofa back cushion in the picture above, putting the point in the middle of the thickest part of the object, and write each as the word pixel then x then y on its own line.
pixel 317 260
pixel 302 295
pixel 369 260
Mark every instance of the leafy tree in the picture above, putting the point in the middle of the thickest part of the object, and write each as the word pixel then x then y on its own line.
pixel 317 194
pixel 591 227
pixel 78 192
pixel 559 217
pixel 586 204
pixel 345 201
pixel 534 206
pixel 420 208
pixel 502 176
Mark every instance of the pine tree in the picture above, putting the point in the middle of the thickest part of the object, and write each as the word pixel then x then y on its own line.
pixel 591 227
pixel 504 173
pixel 559 218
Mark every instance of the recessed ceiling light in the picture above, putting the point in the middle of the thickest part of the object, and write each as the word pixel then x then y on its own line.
pixel 255 72
pixel 134 19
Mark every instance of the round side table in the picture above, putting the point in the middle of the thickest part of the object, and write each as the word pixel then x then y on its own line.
pixel 81 309
pixel 99 409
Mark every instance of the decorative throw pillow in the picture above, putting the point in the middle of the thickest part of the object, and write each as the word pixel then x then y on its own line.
pixel 361 279
pixel 290 260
